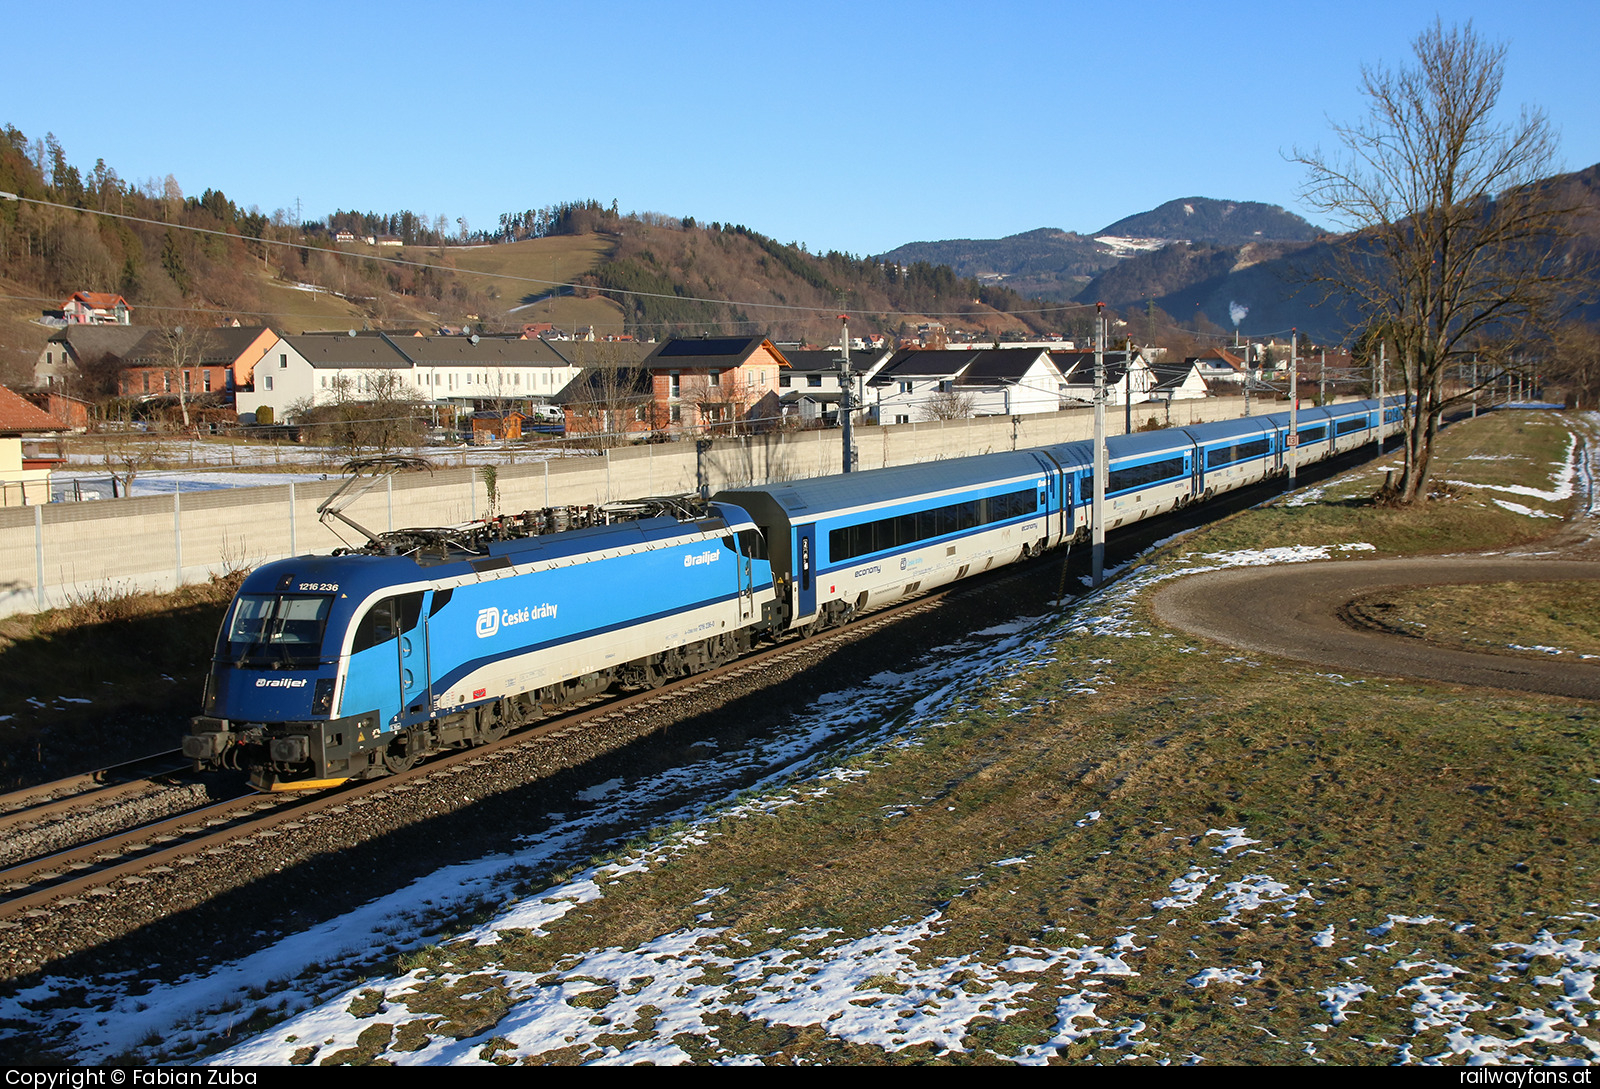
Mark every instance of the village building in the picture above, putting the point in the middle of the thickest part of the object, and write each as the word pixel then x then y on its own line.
pixel 24 471
pixel 81 356
pixel 934 384
pixel 212 369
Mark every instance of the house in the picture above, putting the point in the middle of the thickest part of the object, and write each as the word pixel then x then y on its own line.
pixel 486 372
pixel 934 384
pixel 24 474
pixel 96 308
pixel 715 384
pixel 1128 377
pixel 1178 382
pixel 463 373
pixel 81 356
pixel 611 398
pixel 71 413
pixel 1220 365
pixel 809 390
pixel 212 367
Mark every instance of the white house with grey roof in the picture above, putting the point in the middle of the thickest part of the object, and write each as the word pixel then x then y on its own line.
pixel 466 372
pixel 922 384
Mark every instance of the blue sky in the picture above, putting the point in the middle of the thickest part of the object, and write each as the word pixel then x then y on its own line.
pixel 854 126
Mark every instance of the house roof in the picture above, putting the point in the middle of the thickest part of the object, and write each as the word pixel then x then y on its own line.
pixel 487 352
pixel 85 342
pixel 1218 358
pixel 98 300
pixel 1078 367
pixel 342 350
pixel 996 365
pixel 599 385
pixel 710 352
pixel 18 417
pixel 221 346
pixel 1173 375
pixel 922 363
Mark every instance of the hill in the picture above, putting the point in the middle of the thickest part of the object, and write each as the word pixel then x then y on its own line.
pixel 1056 264
pixel 1205 221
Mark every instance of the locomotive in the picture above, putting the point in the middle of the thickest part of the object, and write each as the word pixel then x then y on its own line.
pixel 359 663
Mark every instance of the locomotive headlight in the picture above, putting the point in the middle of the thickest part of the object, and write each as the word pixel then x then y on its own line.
pixel 322 697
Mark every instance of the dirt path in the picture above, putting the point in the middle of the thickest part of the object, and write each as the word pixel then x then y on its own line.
pixel 1294 611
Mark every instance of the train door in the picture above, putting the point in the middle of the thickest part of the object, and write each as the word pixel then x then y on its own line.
pixel 416 692
pixel 388 668
pixel 747 545
pixel 1197 483
pixel 805 562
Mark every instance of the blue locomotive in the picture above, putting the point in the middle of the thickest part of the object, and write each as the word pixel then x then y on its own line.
pixel 357 664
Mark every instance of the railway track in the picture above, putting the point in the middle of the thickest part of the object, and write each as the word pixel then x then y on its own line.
pixel 98 865
pixel 70 875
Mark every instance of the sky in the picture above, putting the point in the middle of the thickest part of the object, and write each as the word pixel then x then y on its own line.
pixel 856 126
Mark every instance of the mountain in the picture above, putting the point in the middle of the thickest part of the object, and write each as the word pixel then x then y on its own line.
pixel 1273 280
pixel 1215 222
pixel 1056 264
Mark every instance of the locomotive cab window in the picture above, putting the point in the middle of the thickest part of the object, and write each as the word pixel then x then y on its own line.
pixel 276 628
pixel 387 619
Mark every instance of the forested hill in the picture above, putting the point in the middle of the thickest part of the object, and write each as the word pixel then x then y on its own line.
pixel 175 256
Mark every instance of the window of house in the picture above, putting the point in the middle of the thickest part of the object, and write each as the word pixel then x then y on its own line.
pixel 205 380
pixel 905 387
pixel 147 381
pixel 672 384
pixel 283 362
pixel 675 414
pixel 269 383
pixel 783 381
pixel 715 379
pixel 814 381
pixel 902 419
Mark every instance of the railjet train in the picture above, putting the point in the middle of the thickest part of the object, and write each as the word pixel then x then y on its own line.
pixel 356 664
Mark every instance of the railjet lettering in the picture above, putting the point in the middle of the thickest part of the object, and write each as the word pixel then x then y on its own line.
pixel 281 682
pixel 702 557
pixel 492 620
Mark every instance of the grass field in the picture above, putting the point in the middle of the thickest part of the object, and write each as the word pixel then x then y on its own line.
pixel 524 270
pixel 1095 840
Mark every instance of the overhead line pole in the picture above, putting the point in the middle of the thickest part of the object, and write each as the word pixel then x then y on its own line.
pixel 1097 512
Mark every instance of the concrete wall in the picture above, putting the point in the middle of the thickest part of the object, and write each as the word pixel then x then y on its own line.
pixel 53 554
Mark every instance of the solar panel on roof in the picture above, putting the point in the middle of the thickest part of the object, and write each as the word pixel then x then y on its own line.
pixel 709 346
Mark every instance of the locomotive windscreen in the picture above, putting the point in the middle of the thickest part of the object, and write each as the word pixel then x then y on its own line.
pixel 273 629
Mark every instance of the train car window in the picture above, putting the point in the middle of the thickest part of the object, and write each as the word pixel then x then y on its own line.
pixel 1354 423
pixel 1140 476
pixel 408 610
pixel 1312 434
pixel 377 626
pixel 1227 455
pixel 898 531
pixel 752 545
pixel 441 598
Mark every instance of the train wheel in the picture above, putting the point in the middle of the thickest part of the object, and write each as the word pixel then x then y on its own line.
pixel 398 757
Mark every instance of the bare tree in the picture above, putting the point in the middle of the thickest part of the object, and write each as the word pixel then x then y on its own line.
pixel 949 405
pixel 373 413
pixel 612 398
pixel 1575 362
pixel 1458 237
pixel 182 352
